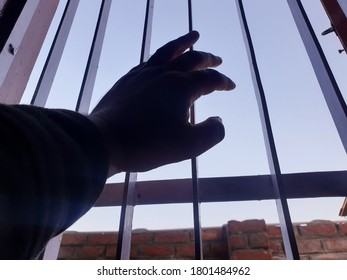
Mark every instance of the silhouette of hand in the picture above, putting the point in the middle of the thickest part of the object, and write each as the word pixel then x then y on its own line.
pixel 145 116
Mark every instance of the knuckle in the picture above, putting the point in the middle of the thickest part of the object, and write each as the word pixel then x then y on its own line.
pixel 212 74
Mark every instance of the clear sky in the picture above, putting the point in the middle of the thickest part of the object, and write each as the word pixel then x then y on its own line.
pixel 304 132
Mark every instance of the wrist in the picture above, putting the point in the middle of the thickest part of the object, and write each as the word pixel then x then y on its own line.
pixel 110 144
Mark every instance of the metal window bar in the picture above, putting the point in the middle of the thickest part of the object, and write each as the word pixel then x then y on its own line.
pixel 85 95
pixel 326 79
pixel 44 85
pixel 87 86
pixel 125 228
pixel 194 167
pixel 54 56
pixel 289 241
pixel 126 217
pixel 129 191
pixel 277 186
pixel 51 251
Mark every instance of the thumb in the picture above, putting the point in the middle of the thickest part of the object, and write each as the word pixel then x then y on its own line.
pixel 204 136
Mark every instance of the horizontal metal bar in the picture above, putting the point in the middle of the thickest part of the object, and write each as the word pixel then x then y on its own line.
pixel 222 189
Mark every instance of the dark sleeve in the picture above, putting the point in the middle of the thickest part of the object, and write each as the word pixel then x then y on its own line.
pixel 53 166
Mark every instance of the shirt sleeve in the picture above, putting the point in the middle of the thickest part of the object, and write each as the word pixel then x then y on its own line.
pixel 53 167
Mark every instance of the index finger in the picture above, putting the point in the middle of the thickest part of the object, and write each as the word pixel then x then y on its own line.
pixel 203 82
pixel 173 49
pixel 195 60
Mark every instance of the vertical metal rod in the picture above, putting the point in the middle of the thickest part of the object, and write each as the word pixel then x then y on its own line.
pixel 147 32
pixel 52 249
pixel 194 166
pixel 44 86
pixel 289 240
pixel 86 91
pixel 326 79
pixel 55 53
pixel 126 220
pixel 128 203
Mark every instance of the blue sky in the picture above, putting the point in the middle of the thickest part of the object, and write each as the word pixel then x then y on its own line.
pixel 304 132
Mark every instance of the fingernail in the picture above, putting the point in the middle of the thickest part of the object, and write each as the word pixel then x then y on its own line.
pixel 218 119
pixel 232 85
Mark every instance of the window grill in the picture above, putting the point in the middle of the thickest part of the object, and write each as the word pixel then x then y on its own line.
pixel 277 186
pixel 9 12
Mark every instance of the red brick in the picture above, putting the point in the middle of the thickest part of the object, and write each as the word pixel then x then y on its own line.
pixel 206 249
pixel 276 247
pixel 219 251
pixel 192 235
pixel 157 251
pixel 319 229
pixel 246 226
pixel 329 256
pixel 251 255
pixel 309 246
pixel 134 253
pixel 274 231
pixel 253 226
pixel 185 250
pixel 90 252
pixel 102 238
pixel 233 227
pixel 142 237
pixel 211 234
pixel 335 245
pixel 174 236
pixel 278 258
pixel 66 253
pixel 342 228
pixel 258 240
pixel 74 238
pixel 111 252
pixel 238 241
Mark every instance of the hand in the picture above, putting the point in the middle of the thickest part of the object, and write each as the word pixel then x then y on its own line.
pixel 145 116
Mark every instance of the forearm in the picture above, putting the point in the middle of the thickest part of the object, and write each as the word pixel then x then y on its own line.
pixel 53 167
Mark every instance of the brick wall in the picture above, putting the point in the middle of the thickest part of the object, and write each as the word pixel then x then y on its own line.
pixel 318 240
pixel 251 239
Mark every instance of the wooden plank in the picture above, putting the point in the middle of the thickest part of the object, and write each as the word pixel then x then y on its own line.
pixel 337 11
pixel 223 189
